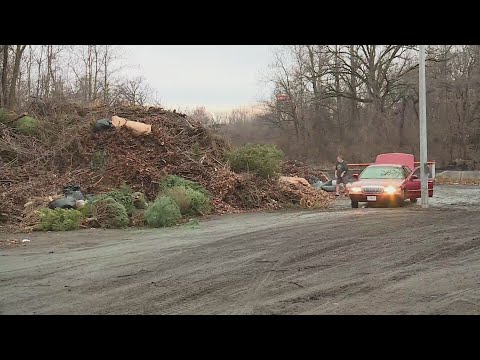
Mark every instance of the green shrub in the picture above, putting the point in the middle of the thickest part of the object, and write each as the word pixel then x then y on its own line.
pixel 123 195
pixel 189 201
pixel 264 160
pixel 171 181
pixel 59 219
pixel 179 194
pixel 199 202
pixel 86 210
pixel 163 212
pixel 108 213
pixel 27 125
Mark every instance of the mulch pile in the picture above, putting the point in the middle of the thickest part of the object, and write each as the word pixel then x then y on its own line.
pixel 38 167
pixel 303 170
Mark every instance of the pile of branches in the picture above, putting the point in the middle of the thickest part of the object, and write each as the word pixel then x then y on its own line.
pixel 66 150
pixel 176 145
pixel 251 192
pixel 303 170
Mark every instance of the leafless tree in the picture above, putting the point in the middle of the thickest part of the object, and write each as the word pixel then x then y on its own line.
pixel 201 114
pixel 363 99
pixel 135 91
pixel 324 99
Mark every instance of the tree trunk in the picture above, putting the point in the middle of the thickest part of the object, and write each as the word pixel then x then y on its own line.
pixel 105 76
pixel 402 124
pixel 90 73
pixel 53 73
pixel 39 62
pixel 49 70
pixel 97 69
pixel 4 76
pixel 340 125
pixel 16 70
pixel 29 72
pixel 353 79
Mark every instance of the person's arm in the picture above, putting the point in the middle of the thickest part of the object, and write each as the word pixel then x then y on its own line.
pixel 336 171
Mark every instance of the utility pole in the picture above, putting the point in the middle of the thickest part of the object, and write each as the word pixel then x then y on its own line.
pixel 423 128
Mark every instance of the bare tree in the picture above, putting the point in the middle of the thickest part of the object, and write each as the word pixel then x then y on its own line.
pixel 16 70
pixel 359 99
pixel 377 72
pixel 135 91
pixel 201 114
pixel 110 56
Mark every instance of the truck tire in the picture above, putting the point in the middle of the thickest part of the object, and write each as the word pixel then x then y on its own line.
pixel 355 204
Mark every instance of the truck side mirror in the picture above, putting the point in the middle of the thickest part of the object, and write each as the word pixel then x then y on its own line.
pixel 355 176
pixel 414 177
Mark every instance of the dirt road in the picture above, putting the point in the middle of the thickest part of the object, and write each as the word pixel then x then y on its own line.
pixel 343 261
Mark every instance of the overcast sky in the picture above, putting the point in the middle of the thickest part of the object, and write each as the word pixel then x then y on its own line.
pixel 219 77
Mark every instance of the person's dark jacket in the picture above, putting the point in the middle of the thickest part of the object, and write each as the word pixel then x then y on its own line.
pixel 341 167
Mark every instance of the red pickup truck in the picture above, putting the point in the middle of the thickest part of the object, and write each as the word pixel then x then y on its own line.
pixel 391 179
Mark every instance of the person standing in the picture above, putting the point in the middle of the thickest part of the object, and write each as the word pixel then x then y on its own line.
pixel 341 174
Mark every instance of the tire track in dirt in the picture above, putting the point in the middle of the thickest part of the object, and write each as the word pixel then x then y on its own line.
pixel 275 258
pixel 371 261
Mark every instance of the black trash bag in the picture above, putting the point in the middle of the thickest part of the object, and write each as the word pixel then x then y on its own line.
pixel 73 191
pixel 102 125
pixel 63 203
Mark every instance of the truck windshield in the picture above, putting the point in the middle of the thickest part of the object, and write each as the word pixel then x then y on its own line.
pixel 382 172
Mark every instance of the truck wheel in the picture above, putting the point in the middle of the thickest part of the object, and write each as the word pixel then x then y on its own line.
pixel 354 204
pixel 413 200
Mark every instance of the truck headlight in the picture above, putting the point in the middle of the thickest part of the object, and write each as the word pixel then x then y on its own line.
pixel 391 190
pixel 356 189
